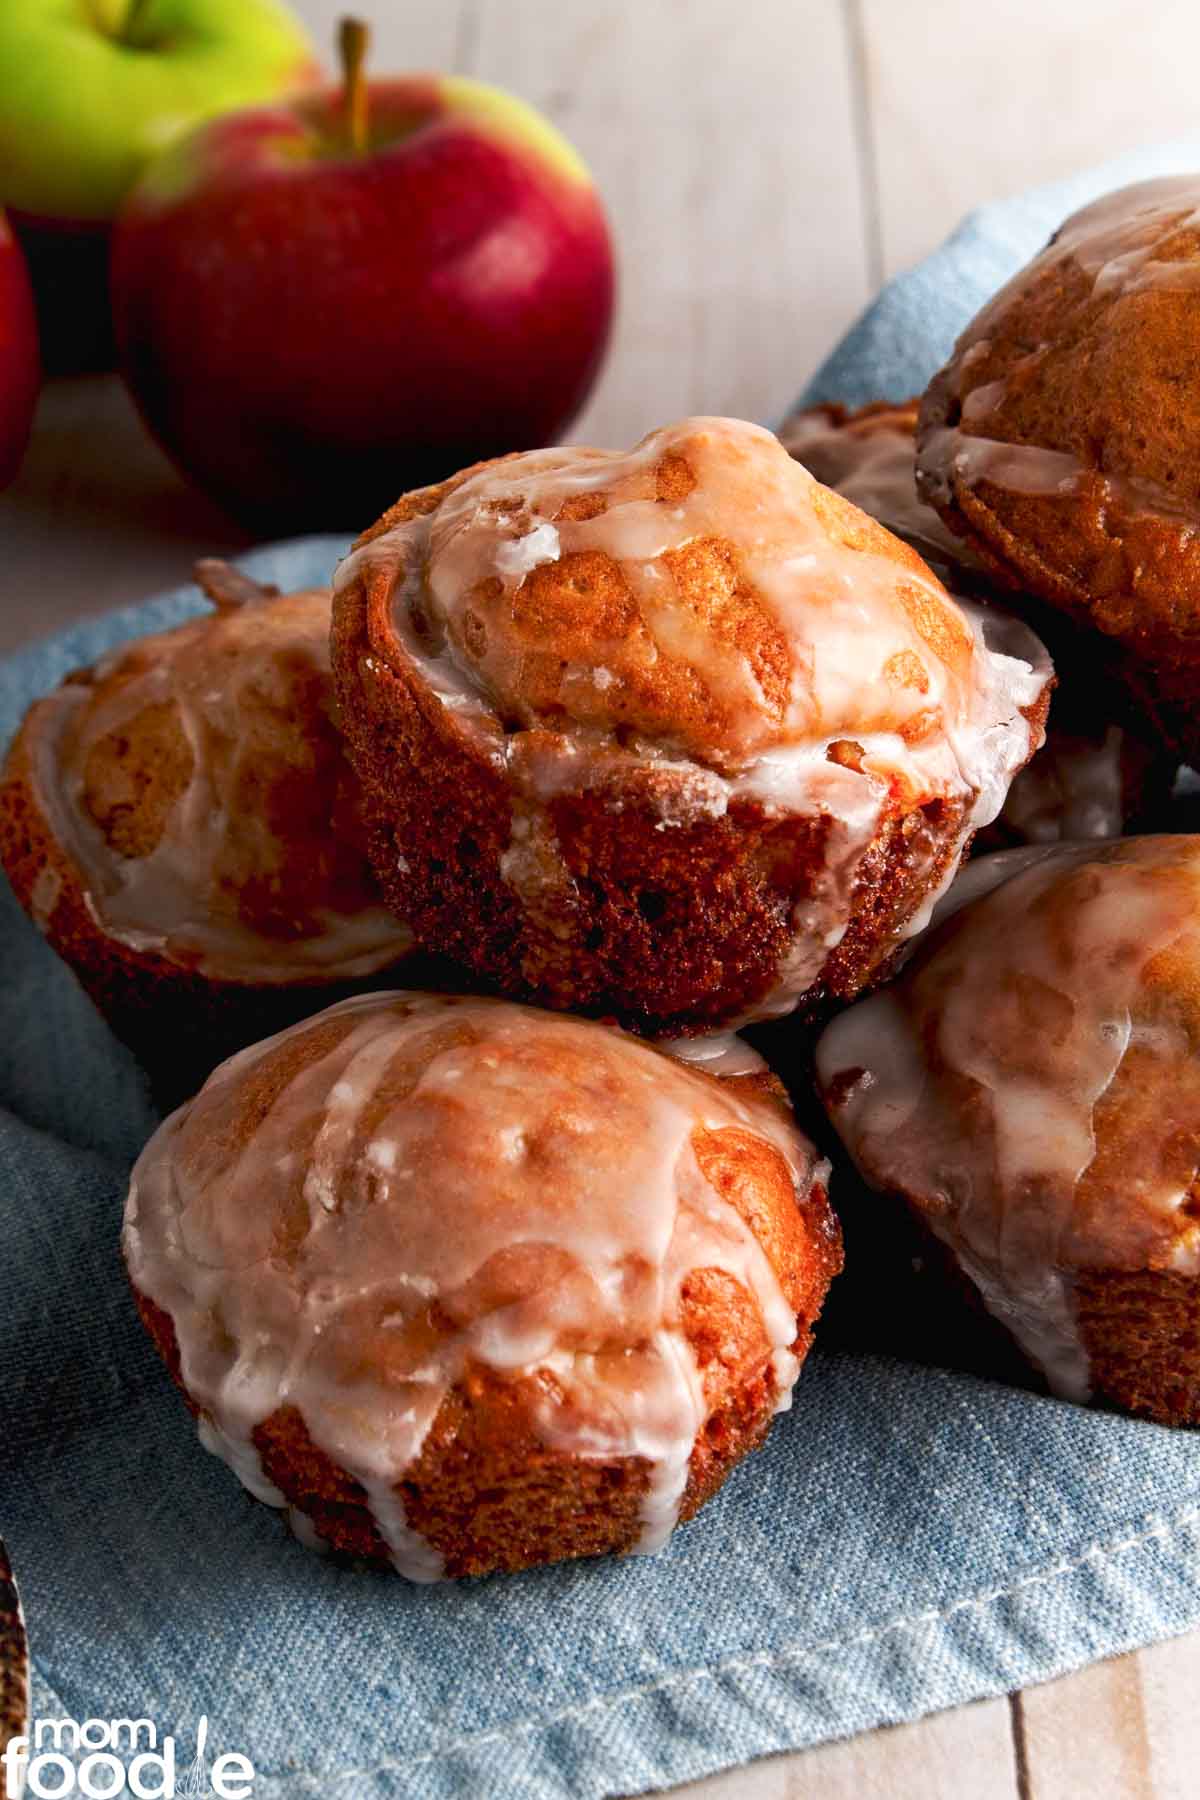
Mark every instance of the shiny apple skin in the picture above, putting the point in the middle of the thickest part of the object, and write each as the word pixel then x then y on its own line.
pixel 20 372
pixel 308 333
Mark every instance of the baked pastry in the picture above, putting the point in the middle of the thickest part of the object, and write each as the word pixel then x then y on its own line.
pixel 1062 440
pixel 470 1287
pixel 1030 1086
pixel 868 455
pixel 1102 768
pixel 676 735
pixel 181 823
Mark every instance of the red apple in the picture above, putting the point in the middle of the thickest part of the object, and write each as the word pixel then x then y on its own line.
pixel 322 303
pixel 20 374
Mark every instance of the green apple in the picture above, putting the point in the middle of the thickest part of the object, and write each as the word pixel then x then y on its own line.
pixel 93 89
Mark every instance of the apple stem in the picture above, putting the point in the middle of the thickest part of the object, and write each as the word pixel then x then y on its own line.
pixel 133 18
pixel 354 38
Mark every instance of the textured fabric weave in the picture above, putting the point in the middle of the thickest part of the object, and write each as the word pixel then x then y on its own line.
pixel 909 1538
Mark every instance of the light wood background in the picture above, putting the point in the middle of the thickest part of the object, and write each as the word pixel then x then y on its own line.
pixel 766 164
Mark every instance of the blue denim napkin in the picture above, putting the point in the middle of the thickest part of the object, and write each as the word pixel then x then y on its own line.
pixel 910 1537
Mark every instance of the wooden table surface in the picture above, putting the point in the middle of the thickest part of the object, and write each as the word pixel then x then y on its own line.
pixel 766 163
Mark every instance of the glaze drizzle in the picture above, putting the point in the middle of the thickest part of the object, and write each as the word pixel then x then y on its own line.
pixel 892 695
pixel 1137 239
pixel 1031 1081
pixel 222 890
pixel 1075 786
pixel 435 1184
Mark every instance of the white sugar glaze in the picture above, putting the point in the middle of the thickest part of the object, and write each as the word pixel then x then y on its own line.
pixel 1118 246
pixel 186 900
pixel 1031 1082
pixel 719 1053
pixel 893 697
pixel 1074 787
pixel 363 1247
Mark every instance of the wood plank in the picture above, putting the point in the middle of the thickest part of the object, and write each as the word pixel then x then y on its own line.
pixel 967 104
pixel 727 160
pixel 1170 1678
pixel 737 268
pixel 1120 1730
pixel 97 516
pixel 968 1750
pixel 1087 1733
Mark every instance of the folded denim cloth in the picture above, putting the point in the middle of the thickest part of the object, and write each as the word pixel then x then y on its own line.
pixel 910 1537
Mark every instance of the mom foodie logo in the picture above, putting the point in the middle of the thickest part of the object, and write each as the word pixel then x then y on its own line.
pixel 101 1757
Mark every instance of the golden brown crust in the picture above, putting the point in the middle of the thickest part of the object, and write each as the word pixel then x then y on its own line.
pixel 1101 373
pixel 486 1491
pixel 1139 1328
pixel 965 570
pixel 680 930
pixel 1029 1090
pixel 1085 781
pixel 868 454
pixel 1133 577
pixel 670 930
pixel 1141 1331
pixel 178 1022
